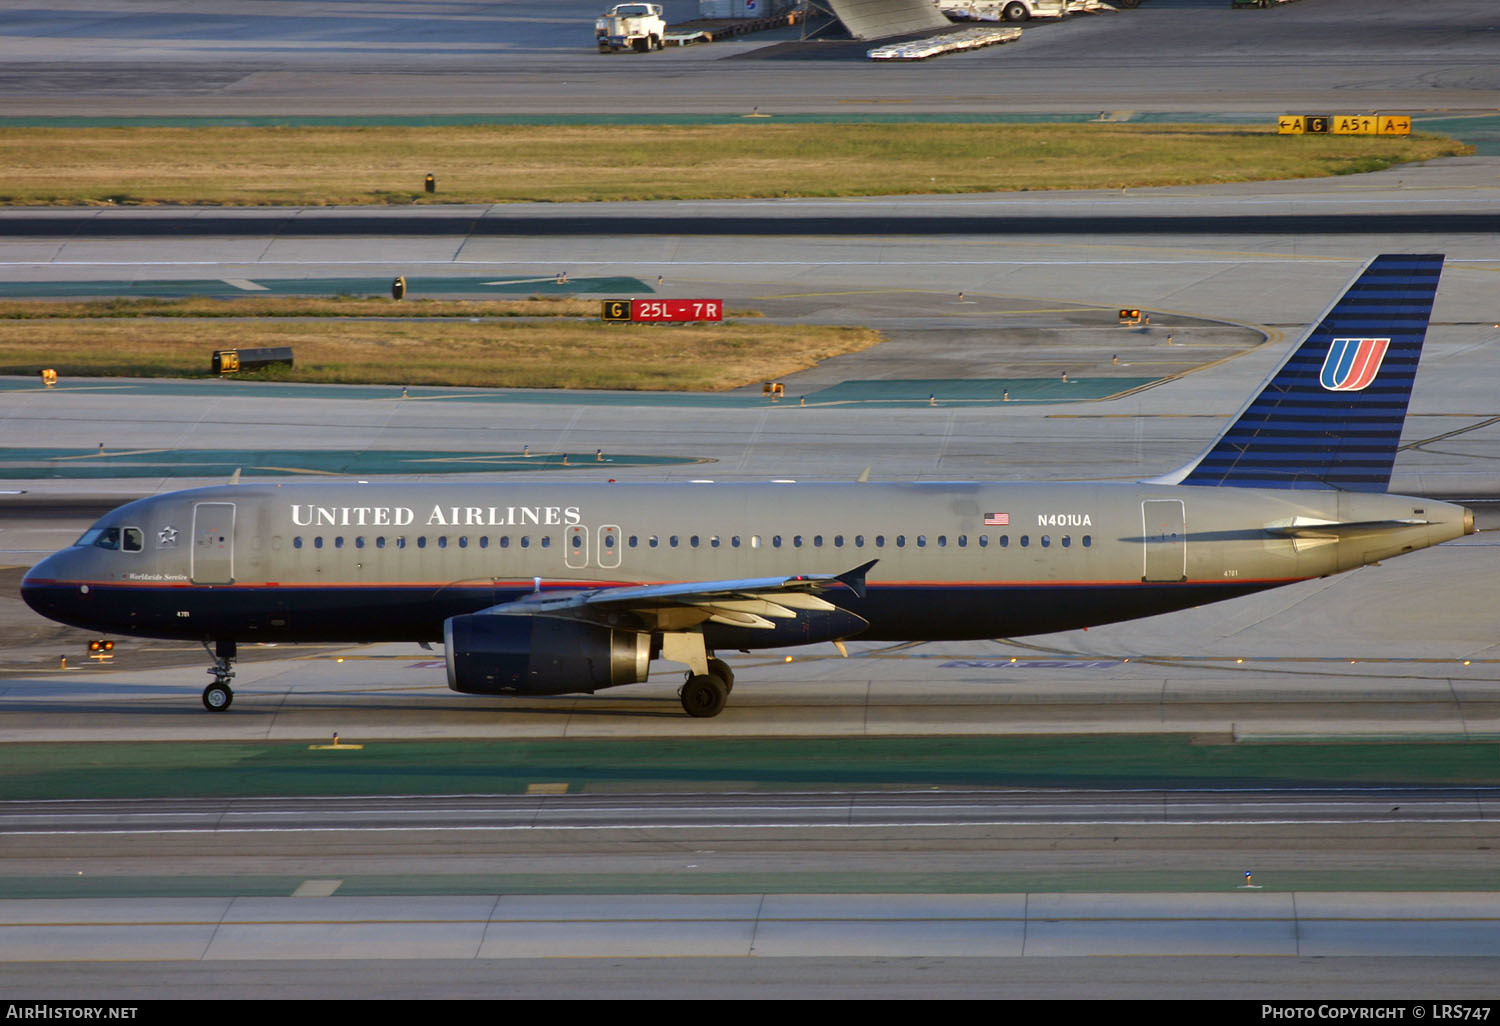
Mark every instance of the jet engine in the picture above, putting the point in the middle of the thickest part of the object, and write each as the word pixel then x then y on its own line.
pixel 491 654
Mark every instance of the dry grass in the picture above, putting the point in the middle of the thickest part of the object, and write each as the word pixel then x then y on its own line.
pixel 295 306
pixel 508 163
pixel 497 354
pixel 309 306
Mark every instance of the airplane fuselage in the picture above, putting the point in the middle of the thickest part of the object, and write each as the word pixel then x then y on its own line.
pixel 337 562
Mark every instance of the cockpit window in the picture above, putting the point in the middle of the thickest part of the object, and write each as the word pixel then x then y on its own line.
pixel 130 539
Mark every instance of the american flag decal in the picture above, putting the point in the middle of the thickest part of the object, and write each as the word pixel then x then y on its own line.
pixel 997 520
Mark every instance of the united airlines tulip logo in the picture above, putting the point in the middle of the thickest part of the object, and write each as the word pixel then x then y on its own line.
pixel 1352 363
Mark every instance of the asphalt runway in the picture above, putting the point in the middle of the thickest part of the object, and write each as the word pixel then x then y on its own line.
pixel 233 57
pixel 1406 648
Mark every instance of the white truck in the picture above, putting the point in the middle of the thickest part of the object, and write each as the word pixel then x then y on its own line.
pixel 638 26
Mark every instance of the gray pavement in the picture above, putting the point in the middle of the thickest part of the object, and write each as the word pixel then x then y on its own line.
pixel 236 57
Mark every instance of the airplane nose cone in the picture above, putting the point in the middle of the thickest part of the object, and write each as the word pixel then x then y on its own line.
pixel 44 591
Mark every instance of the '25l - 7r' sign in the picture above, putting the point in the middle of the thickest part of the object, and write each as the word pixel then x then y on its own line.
pixel 653 310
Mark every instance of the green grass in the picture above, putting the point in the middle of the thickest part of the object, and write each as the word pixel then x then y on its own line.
pixel 380 164
pixel 109 770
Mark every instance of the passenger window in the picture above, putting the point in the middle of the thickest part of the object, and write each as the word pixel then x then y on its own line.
pixel 984 541
pixel 1088 540
pixel 838 541
pixel 653 541
pixel 442 541
pixel 546 541
pixel 693 541
pixel 1066 541
pixel 422 541
pixel 921 541
pixel 735 541
pixel 484 541
pixel 880 541
pixel 505 541
pixel 1025 540
pixel 963 541
pixel 359 541
pixel 1005 541
pixel 796 541
pixel 672 541
pixel 818 541
pixel 859 541
pixel 900 541
pixel 380 541
pixel 1046 541
pixel 525 541
pixel 714 541
pixel 401 542
pixel 775 541
pixel 338 542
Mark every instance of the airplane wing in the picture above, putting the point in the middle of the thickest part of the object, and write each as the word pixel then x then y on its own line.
pixel 753 602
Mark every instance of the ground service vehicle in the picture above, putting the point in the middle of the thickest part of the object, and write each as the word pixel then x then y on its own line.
pixel 638 26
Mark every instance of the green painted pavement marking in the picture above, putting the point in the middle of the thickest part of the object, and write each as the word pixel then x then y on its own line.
pixel 509 765
pixel 973 391
pixel 862 394
pixel 1173 881
pixel 416 287
pixel 75 464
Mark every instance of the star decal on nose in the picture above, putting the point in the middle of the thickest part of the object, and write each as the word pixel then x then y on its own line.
pixel 167 537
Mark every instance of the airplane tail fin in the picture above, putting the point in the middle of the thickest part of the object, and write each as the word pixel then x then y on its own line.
pixel 1330 416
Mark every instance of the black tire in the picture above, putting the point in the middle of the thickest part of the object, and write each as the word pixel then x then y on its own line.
pixel 641 45
pixel 1015 12
pixel 656 42
pixel 217 697
pixel 720 669
pixel 704 696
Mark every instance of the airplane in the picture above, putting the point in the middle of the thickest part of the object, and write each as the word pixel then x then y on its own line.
pixel 544 588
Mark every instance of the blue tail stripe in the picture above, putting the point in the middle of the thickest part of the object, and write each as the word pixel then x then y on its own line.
pixel 1301 432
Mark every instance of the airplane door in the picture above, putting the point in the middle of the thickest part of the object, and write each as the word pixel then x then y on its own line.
pixel 576 547
pixel 609 547
pixel 213 543
pixel 1164 527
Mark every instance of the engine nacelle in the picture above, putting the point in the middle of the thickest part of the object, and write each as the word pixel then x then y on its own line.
pixel 539 655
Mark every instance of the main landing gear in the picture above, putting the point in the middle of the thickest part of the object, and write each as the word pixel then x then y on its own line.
pixel 704 694
pixel 218 695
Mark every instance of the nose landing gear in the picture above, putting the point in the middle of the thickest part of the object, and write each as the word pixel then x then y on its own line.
pixel 218 695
